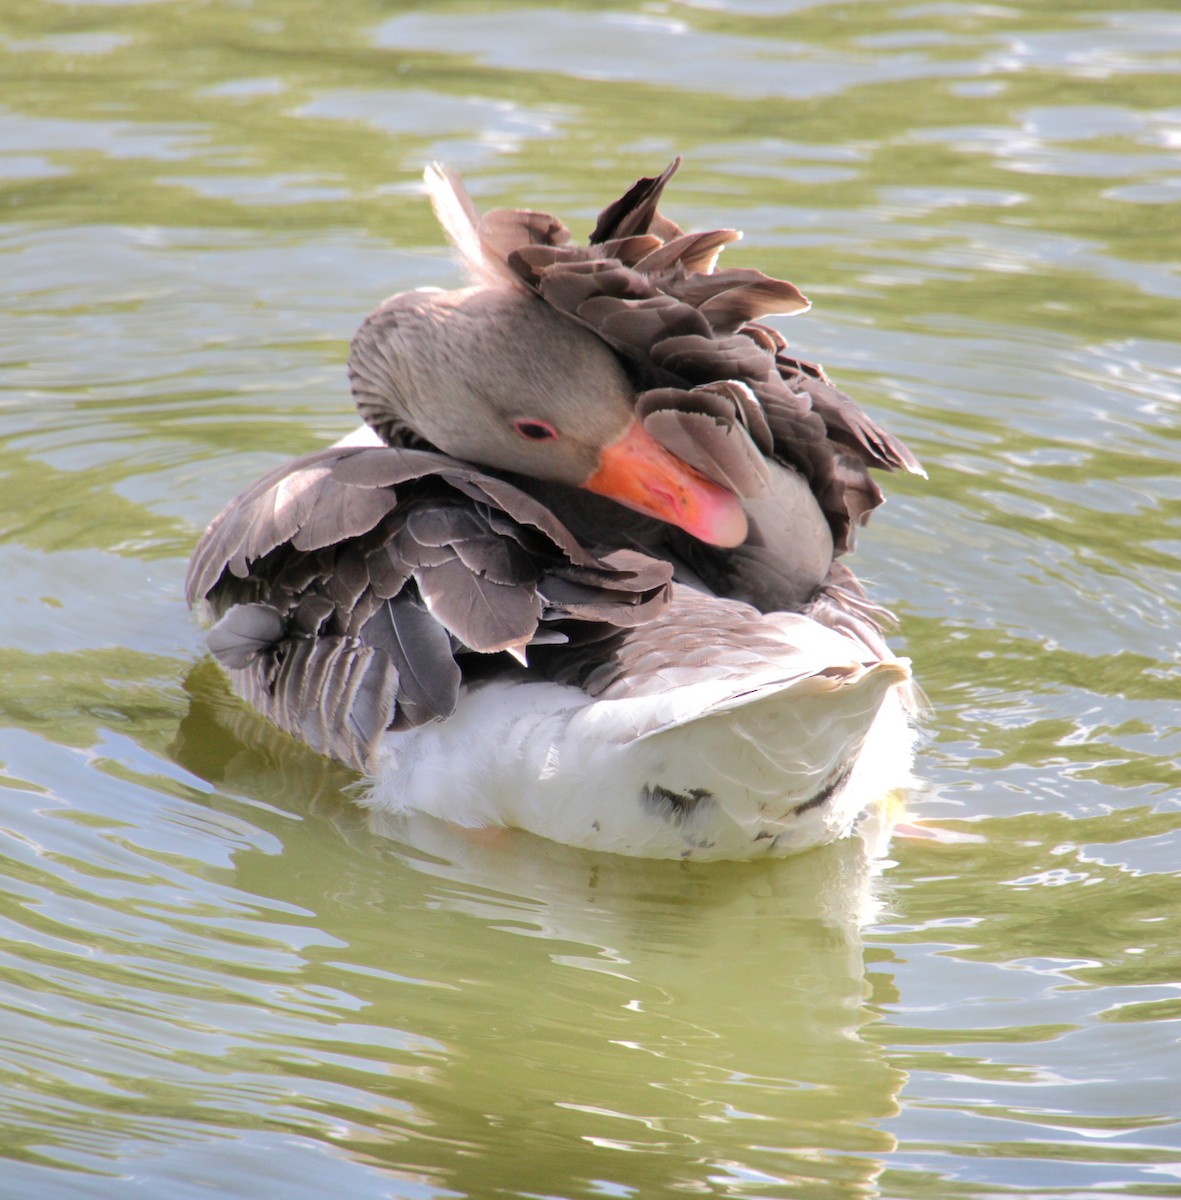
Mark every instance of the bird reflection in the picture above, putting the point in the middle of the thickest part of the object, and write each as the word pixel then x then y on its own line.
pixel 648 1023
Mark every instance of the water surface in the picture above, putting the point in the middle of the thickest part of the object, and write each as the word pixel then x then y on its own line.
pixel 218 979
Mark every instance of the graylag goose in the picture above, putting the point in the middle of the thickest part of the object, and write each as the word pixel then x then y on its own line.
pixel 579 572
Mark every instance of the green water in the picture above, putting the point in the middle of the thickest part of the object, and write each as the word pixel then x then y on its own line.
pixel 217 979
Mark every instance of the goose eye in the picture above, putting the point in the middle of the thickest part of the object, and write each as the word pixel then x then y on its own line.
pixel 535 431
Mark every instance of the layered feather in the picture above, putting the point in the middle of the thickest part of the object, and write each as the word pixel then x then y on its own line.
pixel 432 563
pixel 653 294
pixel 381 601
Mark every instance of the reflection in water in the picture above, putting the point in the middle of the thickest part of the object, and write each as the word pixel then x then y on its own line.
pixel 609 1014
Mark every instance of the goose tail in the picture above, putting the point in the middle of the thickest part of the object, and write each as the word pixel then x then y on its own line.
pixel 794 765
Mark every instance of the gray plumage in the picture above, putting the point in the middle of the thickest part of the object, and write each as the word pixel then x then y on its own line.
pixel 438 561
pixel 356 589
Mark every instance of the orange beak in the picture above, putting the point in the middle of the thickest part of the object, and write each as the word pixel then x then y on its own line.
pixel 638 471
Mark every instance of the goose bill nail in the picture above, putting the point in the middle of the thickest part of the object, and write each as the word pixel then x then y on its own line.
pixel 638 471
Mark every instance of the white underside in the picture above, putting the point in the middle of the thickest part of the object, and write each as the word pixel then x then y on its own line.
pixel 697 772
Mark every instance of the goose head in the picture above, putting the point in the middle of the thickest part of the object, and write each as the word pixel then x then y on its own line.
pixel 495 377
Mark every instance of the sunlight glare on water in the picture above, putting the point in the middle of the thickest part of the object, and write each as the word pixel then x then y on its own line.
pixel 218 977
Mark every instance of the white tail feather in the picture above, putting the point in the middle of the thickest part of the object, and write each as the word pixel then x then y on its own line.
pixel 460 220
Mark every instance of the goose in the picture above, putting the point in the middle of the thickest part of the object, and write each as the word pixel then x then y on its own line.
pixel 579 571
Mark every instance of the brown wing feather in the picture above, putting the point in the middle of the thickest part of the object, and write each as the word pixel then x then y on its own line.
pixel 336 636
pixel 847 424
pixel 682 324
pixel 420 650
pixel 635 211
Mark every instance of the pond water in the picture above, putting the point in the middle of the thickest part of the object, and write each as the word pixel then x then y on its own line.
pixel 217 978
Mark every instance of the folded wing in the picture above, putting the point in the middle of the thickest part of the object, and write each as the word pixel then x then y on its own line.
pixel 350 585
